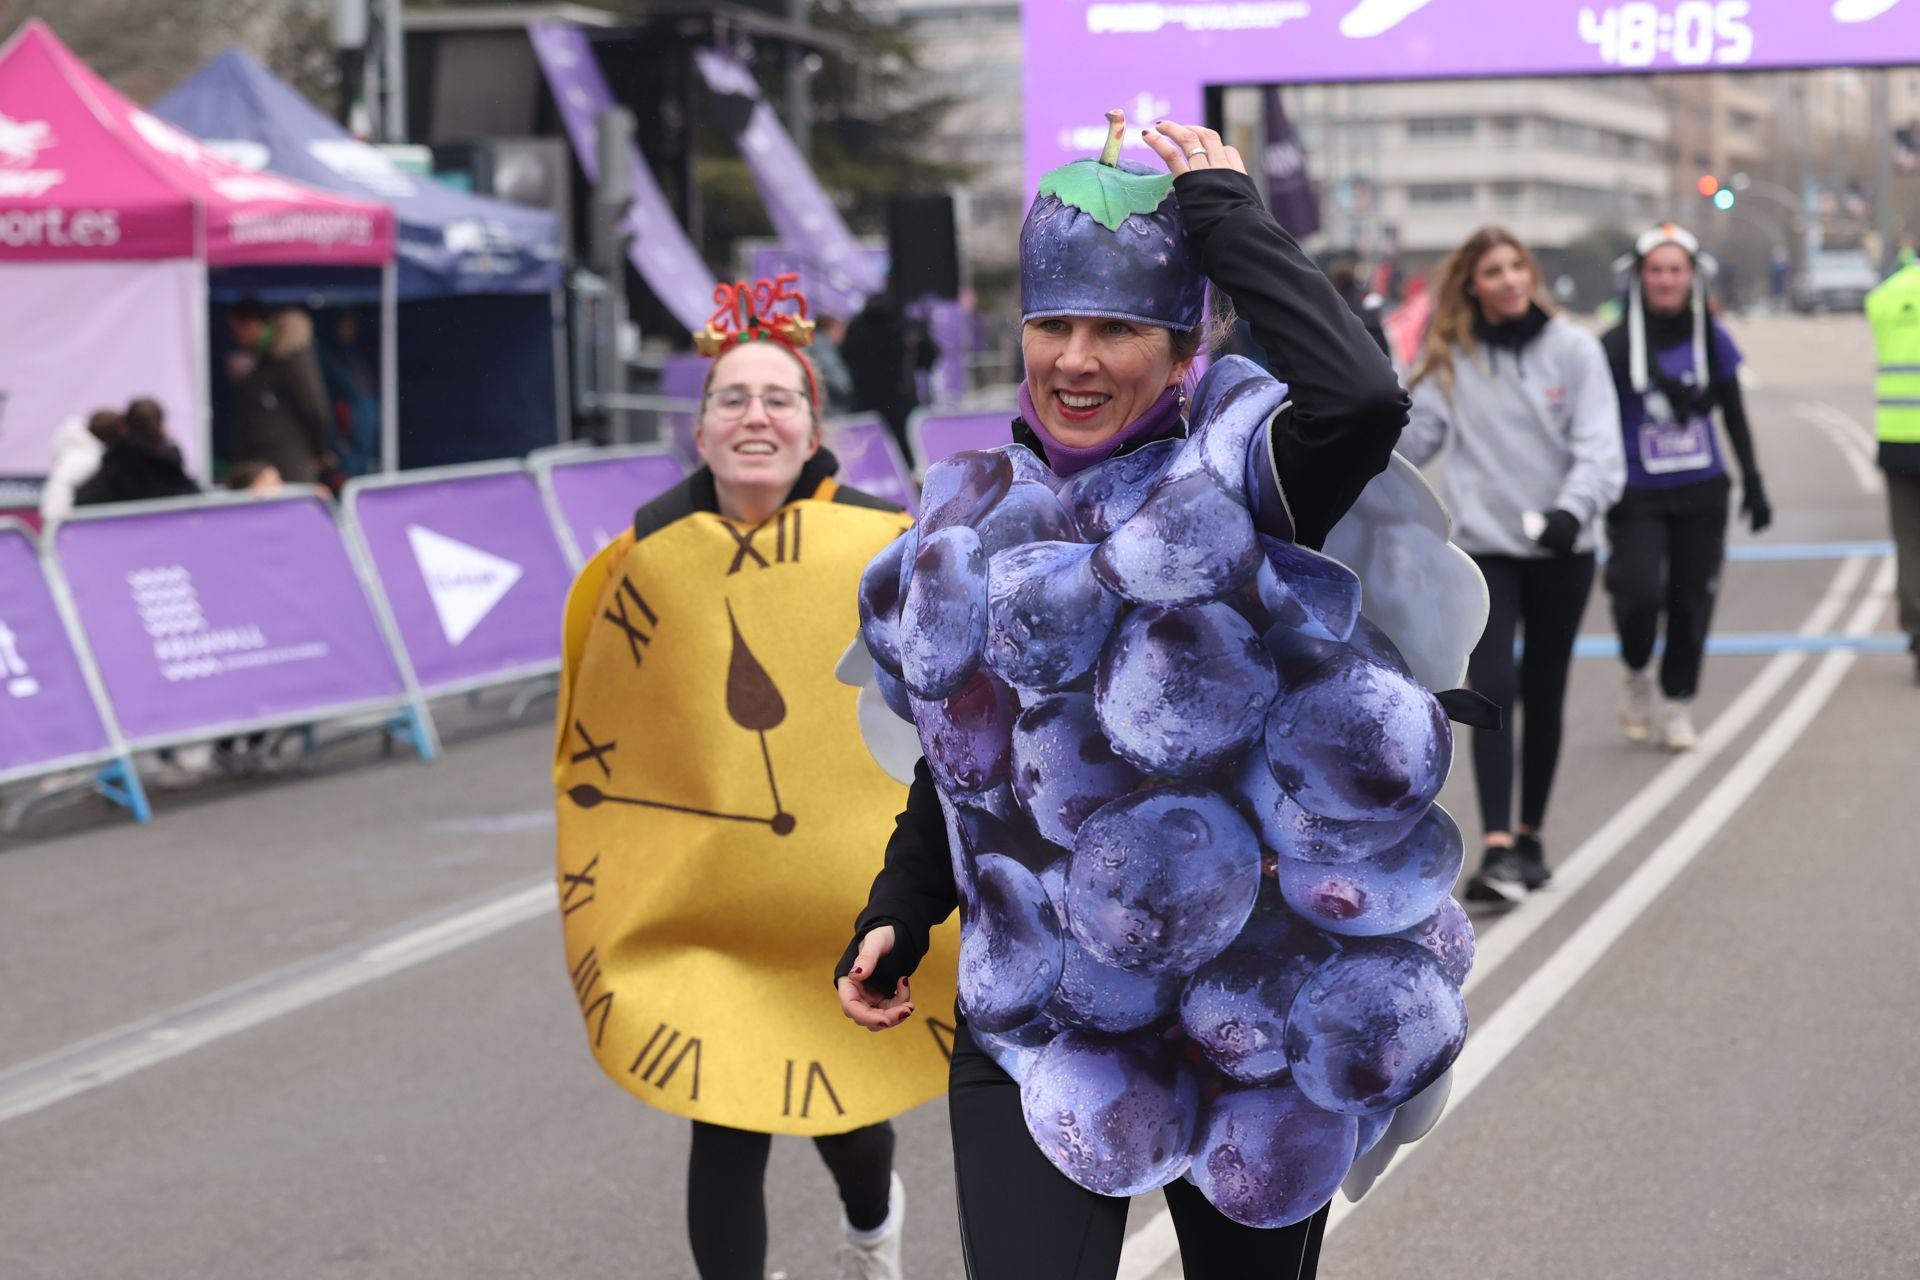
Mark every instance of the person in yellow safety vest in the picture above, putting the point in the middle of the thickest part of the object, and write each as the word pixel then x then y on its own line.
pixel 1894 311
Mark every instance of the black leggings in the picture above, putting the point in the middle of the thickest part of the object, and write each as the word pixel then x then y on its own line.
pixel 727 1200
pixel 1667 548
pixel 1021 1219
pixel 1542 600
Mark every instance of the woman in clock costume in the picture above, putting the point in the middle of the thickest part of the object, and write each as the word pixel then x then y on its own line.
pixel 715 801
pixel 1176 782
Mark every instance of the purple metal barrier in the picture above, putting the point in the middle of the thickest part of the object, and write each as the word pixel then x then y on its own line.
pixel 870 460
pixel 934 436
pixel 470 567
pixel 214 616
pixel 50 716
pixel 591 494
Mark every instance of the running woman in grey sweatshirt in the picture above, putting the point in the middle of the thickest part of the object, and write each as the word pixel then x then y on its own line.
pixel 1523 405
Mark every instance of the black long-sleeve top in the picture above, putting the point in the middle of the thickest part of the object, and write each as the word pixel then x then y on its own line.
pixel 1347 412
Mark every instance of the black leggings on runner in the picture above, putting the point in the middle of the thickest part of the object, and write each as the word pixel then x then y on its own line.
pixel 1541 599
pixel 727 1200
pixel 1021 1219
pixel 1668 545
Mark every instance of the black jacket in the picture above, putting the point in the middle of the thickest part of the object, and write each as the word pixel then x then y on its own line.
pixel 131 472
pixel 1348 410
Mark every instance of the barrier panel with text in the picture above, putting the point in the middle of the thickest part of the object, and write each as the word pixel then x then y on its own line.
pixel 49 717
pixel 214 616
pixel 470 567
pixel 870 460
pixel 593 493
pixel 941 435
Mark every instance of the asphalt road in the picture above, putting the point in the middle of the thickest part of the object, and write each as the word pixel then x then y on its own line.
pixel 319 1026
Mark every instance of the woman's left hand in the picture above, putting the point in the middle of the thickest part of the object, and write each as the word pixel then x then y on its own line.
pixel 1185 148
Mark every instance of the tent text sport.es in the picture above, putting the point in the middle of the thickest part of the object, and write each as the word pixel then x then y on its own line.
pixel 59 228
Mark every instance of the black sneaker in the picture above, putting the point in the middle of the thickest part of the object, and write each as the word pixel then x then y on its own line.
pixel 1534 872
pixel 1501 877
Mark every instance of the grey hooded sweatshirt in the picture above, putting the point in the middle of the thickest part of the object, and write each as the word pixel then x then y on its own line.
pixel 1532 429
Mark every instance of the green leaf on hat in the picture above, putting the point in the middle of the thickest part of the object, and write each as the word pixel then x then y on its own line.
pixel 1108 195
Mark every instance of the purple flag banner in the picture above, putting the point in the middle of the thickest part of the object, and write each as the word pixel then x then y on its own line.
pixel 593 493
pixel 207 616
pixel 660 249
pixel 941 435
pixel 802 212
pixel 1290 195
pixel 471 568
pixel 822 298
pixel 870 460
pixel 1157 57
pixel 47 714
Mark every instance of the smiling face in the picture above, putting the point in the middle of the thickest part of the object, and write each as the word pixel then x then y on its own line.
pixel 762 449
pixel 1090 376
pixel 1666 278
pixel 1503 283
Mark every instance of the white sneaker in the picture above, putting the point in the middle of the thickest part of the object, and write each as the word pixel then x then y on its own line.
pixel 1676 727
pixel 1636 712
pixel 875 1255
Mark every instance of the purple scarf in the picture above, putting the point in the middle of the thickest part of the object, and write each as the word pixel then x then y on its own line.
pixel 1066 460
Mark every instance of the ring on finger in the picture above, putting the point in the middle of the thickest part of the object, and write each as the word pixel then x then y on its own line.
pixel 1197 151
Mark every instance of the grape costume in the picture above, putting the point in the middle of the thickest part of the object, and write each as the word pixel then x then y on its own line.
pixel 1184 763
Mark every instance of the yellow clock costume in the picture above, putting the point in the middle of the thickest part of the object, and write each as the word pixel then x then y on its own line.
pixel 720 818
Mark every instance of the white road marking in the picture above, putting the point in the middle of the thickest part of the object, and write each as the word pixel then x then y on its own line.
pixel 1154 1245
pixel 119 1053
pixel 1543 990
pixel 1854 442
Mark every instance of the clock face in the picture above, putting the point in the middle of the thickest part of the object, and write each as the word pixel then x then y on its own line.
pixel 720 823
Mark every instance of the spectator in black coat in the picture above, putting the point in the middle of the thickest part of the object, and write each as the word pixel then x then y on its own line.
pixel 140 464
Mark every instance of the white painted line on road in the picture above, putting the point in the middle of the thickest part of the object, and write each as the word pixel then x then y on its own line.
pixel 496 823
pixel 1153 1245
pixel 1489 1045
pixel 117 1054
pixel 1850 438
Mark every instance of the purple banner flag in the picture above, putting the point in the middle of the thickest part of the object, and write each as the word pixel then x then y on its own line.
pixel 206 616
pixel 1157 57
pixel 804 215
pixel 822 298
pixel 595 492
pixel 661 251
pixel 47 713
pixel 472 569
pixel 871 461
pixel 941 435
pixel 1290 194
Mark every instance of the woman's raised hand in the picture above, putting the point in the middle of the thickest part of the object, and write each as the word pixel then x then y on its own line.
pixel 875 1013
pixel 1185 148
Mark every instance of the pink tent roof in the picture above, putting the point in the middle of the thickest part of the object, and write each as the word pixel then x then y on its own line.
pixel 86 175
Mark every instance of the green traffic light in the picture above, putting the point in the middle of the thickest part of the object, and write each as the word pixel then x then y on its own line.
pixel 1723 198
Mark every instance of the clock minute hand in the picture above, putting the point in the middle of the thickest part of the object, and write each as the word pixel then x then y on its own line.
pixel 588 796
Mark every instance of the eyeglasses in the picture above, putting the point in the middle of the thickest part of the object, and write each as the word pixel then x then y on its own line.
pixel 730 404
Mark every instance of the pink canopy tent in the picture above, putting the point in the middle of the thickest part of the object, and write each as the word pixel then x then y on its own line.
pixel 109 221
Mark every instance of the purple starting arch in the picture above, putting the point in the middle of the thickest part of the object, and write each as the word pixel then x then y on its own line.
pixel 1158 57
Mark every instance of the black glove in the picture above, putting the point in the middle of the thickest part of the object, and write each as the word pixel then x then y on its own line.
pixel 1562 531
pixel 1754 504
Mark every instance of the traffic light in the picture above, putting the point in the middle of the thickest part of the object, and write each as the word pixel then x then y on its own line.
pixel 1713 189
pixel 1723 199
pixel 1709 186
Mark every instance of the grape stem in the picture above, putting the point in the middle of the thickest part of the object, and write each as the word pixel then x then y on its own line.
pixel 1116 131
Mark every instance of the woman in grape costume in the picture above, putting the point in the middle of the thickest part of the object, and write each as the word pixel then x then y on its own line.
pixel 1178 788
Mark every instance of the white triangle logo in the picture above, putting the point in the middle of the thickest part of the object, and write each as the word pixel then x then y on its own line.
pixel 465 582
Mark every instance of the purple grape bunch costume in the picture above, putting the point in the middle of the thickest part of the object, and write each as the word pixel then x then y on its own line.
pixel 1188 772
